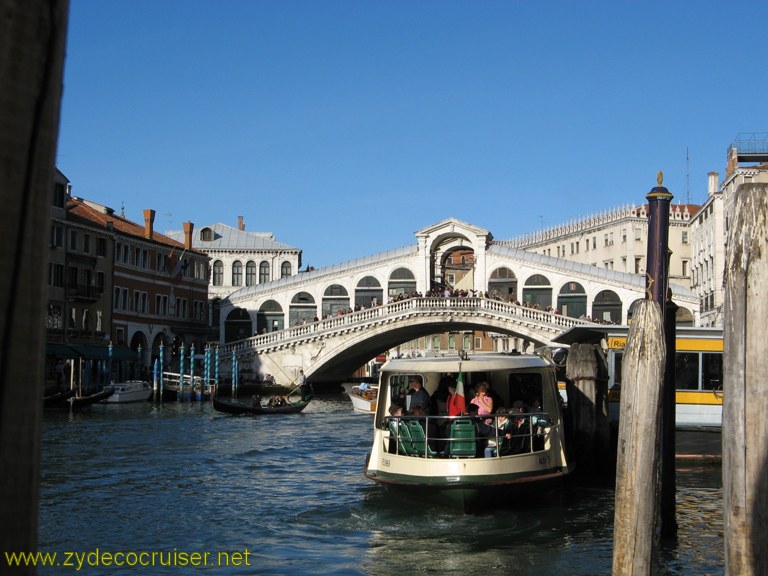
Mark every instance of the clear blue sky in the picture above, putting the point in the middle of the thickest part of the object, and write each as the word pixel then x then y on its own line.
pixel 345 126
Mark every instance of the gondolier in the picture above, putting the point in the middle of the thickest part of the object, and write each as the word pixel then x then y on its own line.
pixel 304 386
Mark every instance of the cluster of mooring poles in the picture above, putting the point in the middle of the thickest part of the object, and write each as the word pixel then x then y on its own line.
pixel 209 379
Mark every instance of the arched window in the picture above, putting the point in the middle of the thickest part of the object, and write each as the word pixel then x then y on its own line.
pixel 264 272
pixel 218 273
pixel 285 269
pixel 206 235
pixel 250 273
pixel 237 273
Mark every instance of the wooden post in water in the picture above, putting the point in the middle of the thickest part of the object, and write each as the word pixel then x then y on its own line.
pixel 33 34
pixel 587 401
pixel 642 373
pixel 745 405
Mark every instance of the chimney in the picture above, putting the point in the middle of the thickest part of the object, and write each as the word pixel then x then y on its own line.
pixel 188 227
pixel 240 223
pixel 149 222
pixel 712 183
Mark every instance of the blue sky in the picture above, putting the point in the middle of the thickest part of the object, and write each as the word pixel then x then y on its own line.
pixel 345 126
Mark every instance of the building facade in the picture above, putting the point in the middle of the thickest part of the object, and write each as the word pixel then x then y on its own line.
pixel 239 259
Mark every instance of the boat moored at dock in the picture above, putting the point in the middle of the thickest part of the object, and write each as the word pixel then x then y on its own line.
pixel 469 461
pixel 129 391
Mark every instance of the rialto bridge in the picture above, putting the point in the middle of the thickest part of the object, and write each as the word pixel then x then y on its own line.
pixel 332 320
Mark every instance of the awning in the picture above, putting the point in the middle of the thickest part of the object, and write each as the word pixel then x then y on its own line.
pixel 582 334
pixel 59 350
pixel 93 352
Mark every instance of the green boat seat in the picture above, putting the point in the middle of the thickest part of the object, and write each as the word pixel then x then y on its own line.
pixel 419 439
pixel 399 430
pixel 463 442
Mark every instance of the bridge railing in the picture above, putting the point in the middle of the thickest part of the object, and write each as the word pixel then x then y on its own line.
pixel 393 310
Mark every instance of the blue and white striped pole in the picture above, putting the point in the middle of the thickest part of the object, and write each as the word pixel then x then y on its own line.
pixel 182 353
pixel 162 368
pixel 192 392
pixel 207 366
pixel 216 370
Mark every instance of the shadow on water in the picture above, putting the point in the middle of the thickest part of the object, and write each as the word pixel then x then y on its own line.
pixel 290 489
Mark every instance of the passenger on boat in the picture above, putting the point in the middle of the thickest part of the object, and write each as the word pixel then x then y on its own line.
pixel 255 400
pixel 503 431
pixel 419 397
pixel 483 401
pixel 395 410
pixel 520 428
pixel 484 431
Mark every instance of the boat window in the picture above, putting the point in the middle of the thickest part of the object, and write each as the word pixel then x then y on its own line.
pixel 525 386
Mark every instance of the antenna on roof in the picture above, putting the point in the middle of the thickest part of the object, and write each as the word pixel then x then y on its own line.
pixel 169 220
pixel 122 209
pixel 687 179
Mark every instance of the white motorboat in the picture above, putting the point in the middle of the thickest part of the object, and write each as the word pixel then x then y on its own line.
pixel 129 391
pixel 443 457
pixel 364 398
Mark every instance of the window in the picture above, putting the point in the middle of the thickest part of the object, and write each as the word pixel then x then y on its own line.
pixel 101 247
pixel 467 344
pixel 218 273
pixel 250 273
pixel 72 240
pixel 264 272
pixel 451 342
pixel 623 235
pixel 57 236
pixel 685 267
pixel 685 237
pixel 161 304
pixel 55 275
pixel 72 277
pixel 87 243
pixel 237 273
pixel 285 270
pixel 60 196
pixel 638 263
pixel 638 234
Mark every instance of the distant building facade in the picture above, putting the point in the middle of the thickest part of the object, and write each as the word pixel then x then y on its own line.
pixel 114 282
pixel 238 259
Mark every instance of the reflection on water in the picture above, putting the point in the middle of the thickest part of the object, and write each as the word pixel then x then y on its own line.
pixel 290 489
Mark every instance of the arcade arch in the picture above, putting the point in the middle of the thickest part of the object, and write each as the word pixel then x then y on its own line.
pixel 335 300
pixel 537 292
pixel 302 310
pixel 402 282
pixel 606 307
pixel 368 292
pixel 502 283
pixel 237 325
pixel 270 317
pixel 572 300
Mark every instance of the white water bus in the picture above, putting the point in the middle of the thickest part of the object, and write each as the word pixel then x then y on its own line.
pixel 442 457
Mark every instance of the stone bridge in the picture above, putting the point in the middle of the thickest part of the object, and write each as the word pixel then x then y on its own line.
pixel 331 350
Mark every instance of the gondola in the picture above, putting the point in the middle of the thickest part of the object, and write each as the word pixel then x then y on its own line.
pixel 82 401
pixel 236 407
pixel 58 397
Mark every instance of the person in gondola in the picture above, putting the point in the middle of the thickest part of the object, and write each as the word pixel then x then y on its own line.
pixel 255 401
pixel 304 387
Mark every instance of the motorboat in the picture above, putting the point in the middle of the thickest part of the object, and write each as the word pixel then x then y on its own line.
pixel 129 391
pixel 364 398
pixel 434 456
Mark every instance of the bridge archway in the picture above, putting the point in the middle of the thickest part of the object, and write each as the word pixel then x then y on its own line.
pixel 303 309
pixel 402 282
pixel 537 292
pixel 606 307
pixel 335 300
pixel 502 283
pixel 237 325
pixel 572 300
pixel 457 267
pixel 368 292
pixel 270 317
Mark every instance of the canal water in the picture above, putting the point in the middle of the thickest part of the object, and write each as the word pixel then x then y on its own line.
pixel 174 479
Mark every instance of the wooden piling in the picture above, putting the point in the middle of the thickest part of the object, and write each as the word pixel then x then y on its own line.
pixel 33 36
pixel 587 402
pixel 745 404
pixel 637 455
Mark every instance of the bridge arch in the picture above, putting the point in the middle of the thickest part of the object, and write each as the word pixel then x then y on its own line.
pixel 302 310
pixel 572 300
pixel 237 325
pixel 335 300
pixel 402 282
pixel 270 317
pixel 537 291
pixel 368 292
pixel 607 307
pixel 502 283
